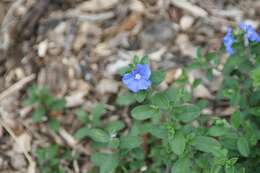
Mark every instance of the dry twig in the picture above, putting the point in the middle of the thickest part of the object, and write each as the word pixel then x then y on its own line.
pixel 17 86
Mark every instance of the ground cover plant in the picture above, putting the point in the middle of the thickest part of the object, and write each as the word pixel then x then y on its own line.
pixel 170 131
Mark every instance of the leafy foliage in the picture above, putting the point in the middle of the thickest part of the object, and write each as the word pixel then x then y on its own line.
pixel 46 106
pixel 49 159
pixel 169 131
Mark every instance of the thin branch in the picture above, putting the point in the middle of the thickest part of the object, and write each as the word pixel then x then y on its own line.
pixel 17 86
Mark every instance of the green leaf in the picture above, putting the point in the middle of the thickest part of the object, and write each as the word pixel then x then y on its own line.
pixel 57 105
pixel 114 143
pixel 97 112
pixel 186 113
pixel 115 126
pixel 136 60
pixel 38 115
pixel 206 144
pixel 140 96
pixel 255 75
pixel 196 83
pixel 178 143
pixel 82 116
pixel 160 100
pixel 98 135
pixel 217 131
pixel 157 76
pixel 54 124
pixel 232 161
pixel 178 95
pixel 144 112
pixel 81 133
pixel 130 142
pixel 106 162
pixel 236 119
pixel 243 146
pixel 126 99
pixel 183 165
pixel 255 111
pixel 145 60
pixel 155 130
pixel 48 153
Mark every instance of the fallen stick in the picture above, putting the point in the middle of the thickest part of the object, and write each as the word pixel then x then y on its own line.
pixel 17 86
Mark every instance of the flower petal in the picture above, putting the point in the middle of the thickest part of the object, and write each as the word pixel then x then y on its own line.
pixel 134 86
pixel 144 70
pixel 128 78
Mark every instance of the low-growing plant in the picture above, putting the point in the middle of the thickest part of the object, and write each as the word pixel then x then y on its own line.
pixel 45 106
pixel 240 87
pixel 169 131
pixel 49 159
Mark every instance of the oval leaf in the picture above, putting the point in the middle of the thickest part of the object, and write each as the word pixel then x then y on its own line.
pixel 160 100
pixel 106 162
pixel 187 113
pixel 243 146
pixel 182 165
pixel 144 112
pixel 157 76
pixel 178 143
pixel 98 135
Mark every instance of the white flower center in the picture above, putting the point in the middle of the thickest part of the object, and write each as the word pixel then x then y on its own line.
pixel 138 76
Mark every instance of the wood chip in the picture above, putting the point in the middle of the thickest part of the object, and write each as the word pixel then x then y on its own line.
pixel 97 5
pixel 193 9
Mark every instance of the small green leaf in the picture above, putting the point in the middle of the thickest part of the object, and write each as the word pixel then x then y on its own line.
pixel 106 162
pixel 157 76
pixel 81 133
pixel 140 96
pixel 255 111
pixel 136 60
pixel 57 105
pixel 186 113
pixel 178 143
pixel 115 126
pixel 206 144
pixel 155 130
pixel 98 135
pixel 183 165
pixel 255 75
pixel 97 112
pixel 129 142
pixel 243 146
pixel 232 161
pixel 145 60
pixel 196 83
pixel 236 119
pixel 217 131
pixel 125 99
pixel 82 116
pixel 38 115
pixel 54 124
pixel 144 112
pixel 160 100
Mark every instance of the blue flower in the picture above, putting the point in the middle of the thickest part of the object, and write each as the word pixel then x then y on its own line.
pixel 228 41
pixel 251 34
pixel 138 79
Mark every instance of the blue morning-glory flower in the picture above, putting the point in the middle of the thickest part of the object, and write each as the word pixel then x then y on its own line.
pixel 138 79
pixel 251 34
pixel 228 41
